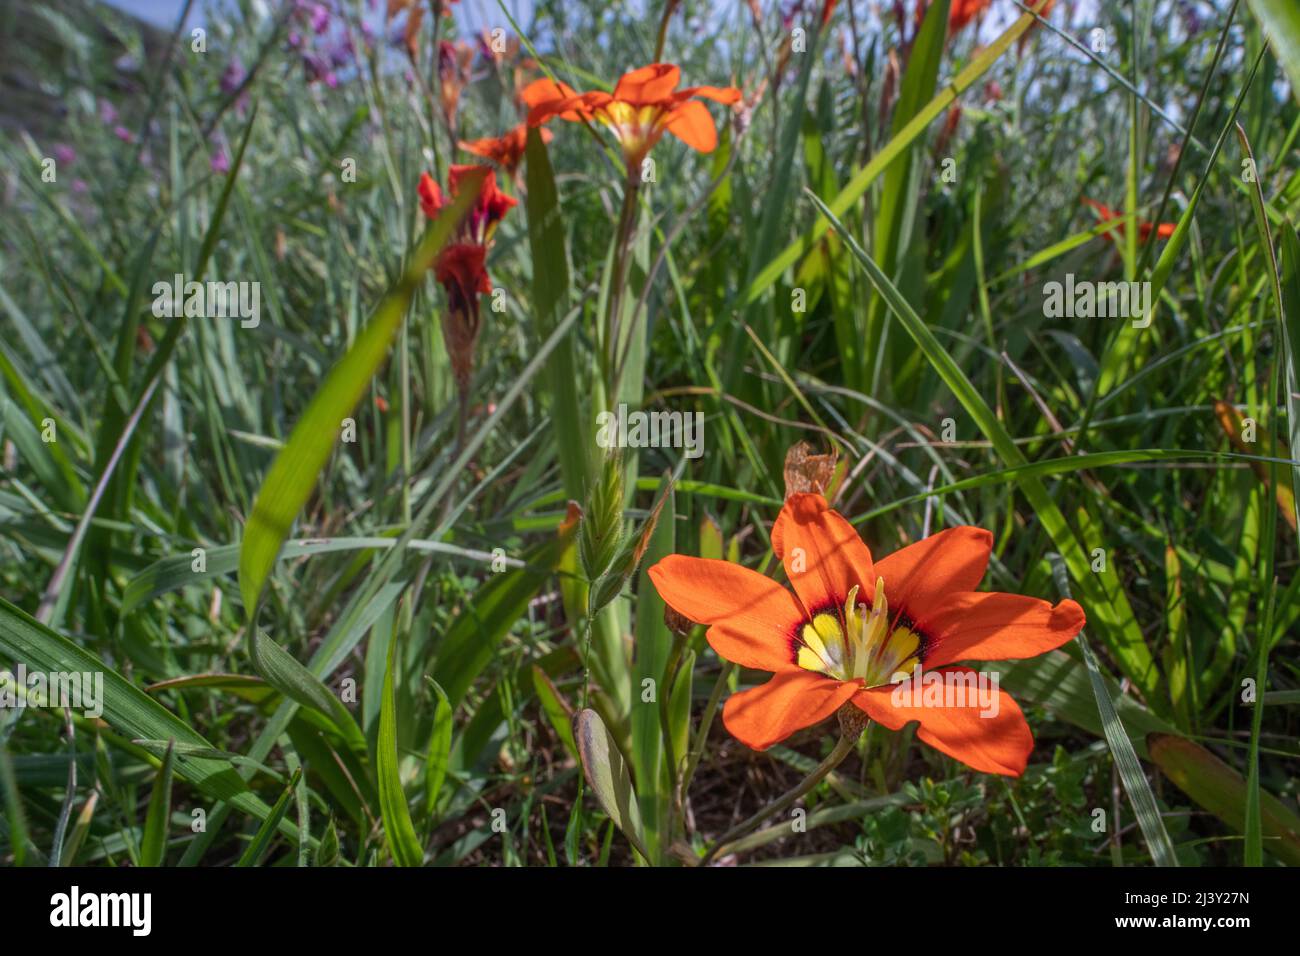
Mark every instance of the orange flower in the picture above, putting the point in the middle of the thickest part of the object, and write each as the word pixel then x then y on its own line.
pixel 1163 231
pixel 506 150
pixel 645 103
pixel 963 12
pixel 454 63
pixel 826 648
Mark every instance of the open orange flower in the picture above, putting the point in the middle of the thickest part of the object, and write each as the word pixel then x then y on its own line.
pixel 857 631
pixel 507 150
pixel 1163 231
pixel 644 105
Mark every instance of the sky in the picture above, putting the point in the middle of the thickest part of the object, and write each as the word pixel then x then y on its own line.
pixel 159 12
pixel 163 13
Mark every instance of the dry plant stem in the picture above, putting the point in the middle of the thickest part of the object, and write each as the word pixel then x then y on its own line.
pixel 843 747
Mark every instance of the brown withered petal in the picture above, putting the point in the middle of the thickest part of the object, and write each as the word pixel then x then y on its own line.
pixel 853 720
pixel 676 622
pixel 806 472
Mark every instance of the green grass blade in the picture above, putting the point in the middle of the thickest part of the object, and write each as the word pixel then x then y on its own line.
pixel 1254 855
pixel 435 763
pixel 153 845
pixel 402 841
pixel 283 672
pixel 1218 788
pixel 261 842
pixel 1131 776
pixel 1281 22
pixel 550 301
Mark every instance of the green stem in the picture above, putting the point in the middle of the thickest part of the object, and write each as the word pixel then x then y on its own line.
pixel 405 374
pixel 618 275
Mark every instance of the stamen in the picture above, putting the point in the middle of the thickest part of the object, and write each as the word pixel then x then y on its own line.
pixel 858 643
pixel 878 622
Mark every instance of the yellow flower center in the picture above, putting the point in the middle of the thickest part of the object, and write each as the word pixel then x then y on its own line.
pixel 637 127
pixel 859 643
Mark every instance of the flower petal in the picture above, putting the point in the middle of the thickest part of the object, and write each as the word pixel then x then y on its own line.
pixel 430 193
pixel 998 743
pixel 546 98
pixel 823 555
pixel 691 123
pixel 752 618
pixel 546 90
pixel 920 576
pixel 790 701
pixel 648 85
pixel 719 94
pixel 992 626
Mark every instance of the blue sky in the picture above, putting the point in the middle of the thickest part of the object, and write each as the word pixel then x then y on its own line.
pixel 161 12
pixel 164 12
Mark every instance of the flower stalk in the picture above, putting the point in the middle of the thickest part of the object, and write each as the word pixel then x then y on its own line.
pixel 618 278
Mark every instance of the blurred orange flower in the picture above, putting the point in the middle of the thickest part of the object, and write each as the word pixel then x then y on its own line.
pixel 1163 231
pixel 963 12
pixel 825 649
pixel 644 105
pixel 506 150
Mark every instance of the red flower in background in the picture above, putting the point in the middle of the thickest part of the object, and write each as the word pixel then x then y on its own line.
pixel 461 267
pixel 1163 231
pixel 963 12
